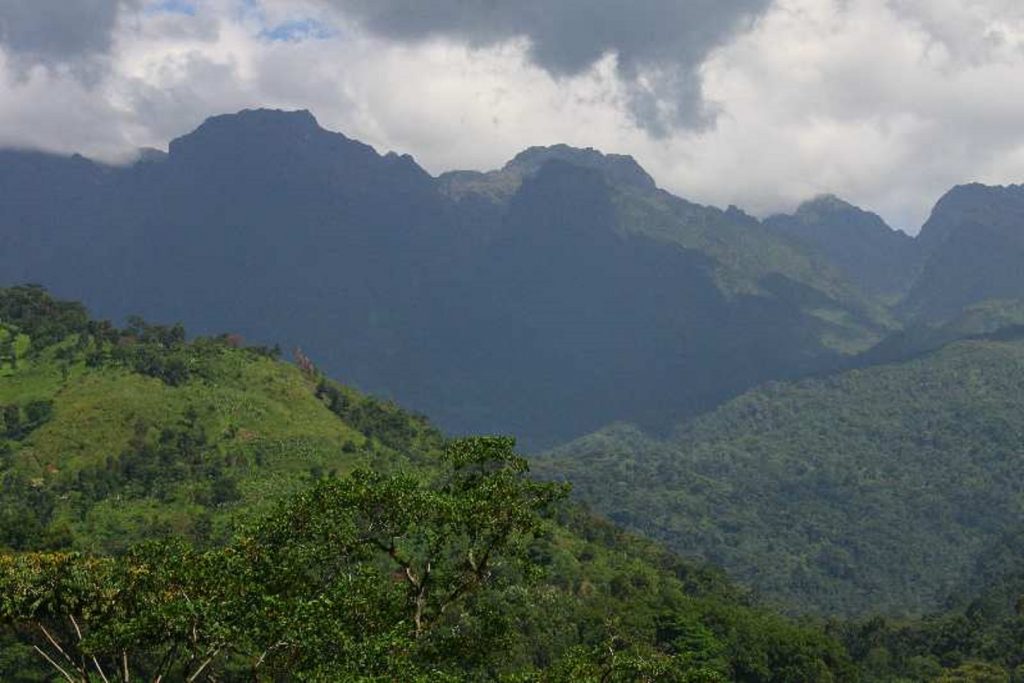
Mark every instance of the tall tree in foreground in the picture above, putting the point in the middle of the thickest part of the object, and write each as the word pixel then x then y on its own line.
pixel 371 576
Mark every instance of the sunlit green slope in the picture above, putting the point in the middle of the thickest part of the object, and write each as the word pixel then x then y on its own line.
pixel 120 434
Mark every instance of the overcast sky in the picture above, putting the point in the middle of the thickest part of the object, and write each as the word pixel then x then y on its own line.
pixel 758 103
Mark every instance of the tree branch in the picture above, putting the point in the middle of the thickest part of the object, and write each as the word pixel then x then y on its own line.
pixel 95 662
pixel 198 671
pixel 54 664
pixel 55 644
pixel 263 656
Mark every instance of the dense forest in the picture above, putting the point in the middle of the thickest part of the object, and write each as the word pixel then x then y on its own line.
pixel 879 489
pixel 199 509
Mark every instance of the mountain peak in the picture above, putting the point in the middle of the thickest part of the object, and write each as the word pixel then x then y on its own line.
pixel 978 195
pixel 826 203
pixel 250 128
pixel 296 120
pixel 500 185
pixel 873 255
pixel 829 213
pixel 998 207
pixel 618 168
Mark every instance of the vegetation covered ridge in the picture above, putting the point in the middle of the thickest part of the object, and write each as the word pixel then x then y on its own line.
pixel 200 510
pixel 877 490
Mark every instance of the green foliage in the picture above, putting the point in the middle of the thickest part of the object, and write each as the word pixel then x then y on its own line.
pixel 17 422
pixel 455 574
pixel 379 420
pixel 946 647
pixel 29 310
pixel 873 490
pixel 362 577
pixel 111 436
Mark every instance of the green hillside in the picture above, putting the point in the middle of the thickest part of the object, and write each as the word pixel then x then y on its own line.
pixel 244 476
pixel 120 434
pixel 978 637
pixel 875 490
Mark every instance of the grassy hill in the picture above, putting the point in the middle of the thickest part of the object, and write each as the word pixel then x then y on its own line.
pixel 122 434
pixel 874 490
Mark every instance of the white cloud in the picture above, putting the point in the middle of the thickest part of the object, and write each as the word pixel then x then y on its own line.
pixel 877 101
pixel 887 103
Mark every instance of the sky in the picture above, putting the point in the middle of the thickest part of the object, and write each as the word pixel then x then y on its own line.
pixel 757 103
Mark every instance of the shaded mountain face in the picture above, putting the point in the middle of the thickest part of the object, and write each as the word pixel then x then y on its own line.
pixel 973 246
pixel 880 260
pixel 548 298
pixel 967 255
pixel 574 322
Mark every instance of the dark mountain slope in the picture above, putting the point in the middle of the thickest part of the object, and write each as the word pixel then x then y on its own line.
pixel 878 259
pixel 973 245
pixel 53 208
pixel 550 297
pixel 572 306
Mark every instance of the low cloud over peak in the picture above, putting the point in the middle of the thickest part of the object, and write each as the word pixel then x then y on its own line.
pixel 758 103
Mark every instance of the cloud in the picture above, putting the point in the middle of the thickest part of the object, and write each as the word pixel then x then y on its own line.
pixel 57 31
pixel 166 71
pixel 888 103
pixel 658 44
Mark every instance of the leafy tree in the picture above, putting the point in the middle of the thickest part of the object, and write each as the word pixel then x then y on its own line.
pixel 11 417
pixel 975 672
pixel 366 576
pixel 30 310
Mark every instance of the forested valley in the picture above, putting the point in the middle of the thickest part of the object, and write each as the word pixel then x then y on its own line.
pixel 200 509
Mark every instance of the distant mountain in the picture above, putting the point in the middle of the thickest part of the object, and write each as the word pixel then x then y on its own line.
pixel 874 490
pixel 965 260
pixel 631 305
pixel 618 169
pixel 973 246
pixel 880 260
pixel 548 298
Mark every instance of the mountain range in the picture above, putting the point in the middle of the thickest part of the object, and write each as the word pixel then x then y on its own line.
pixel 548 298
